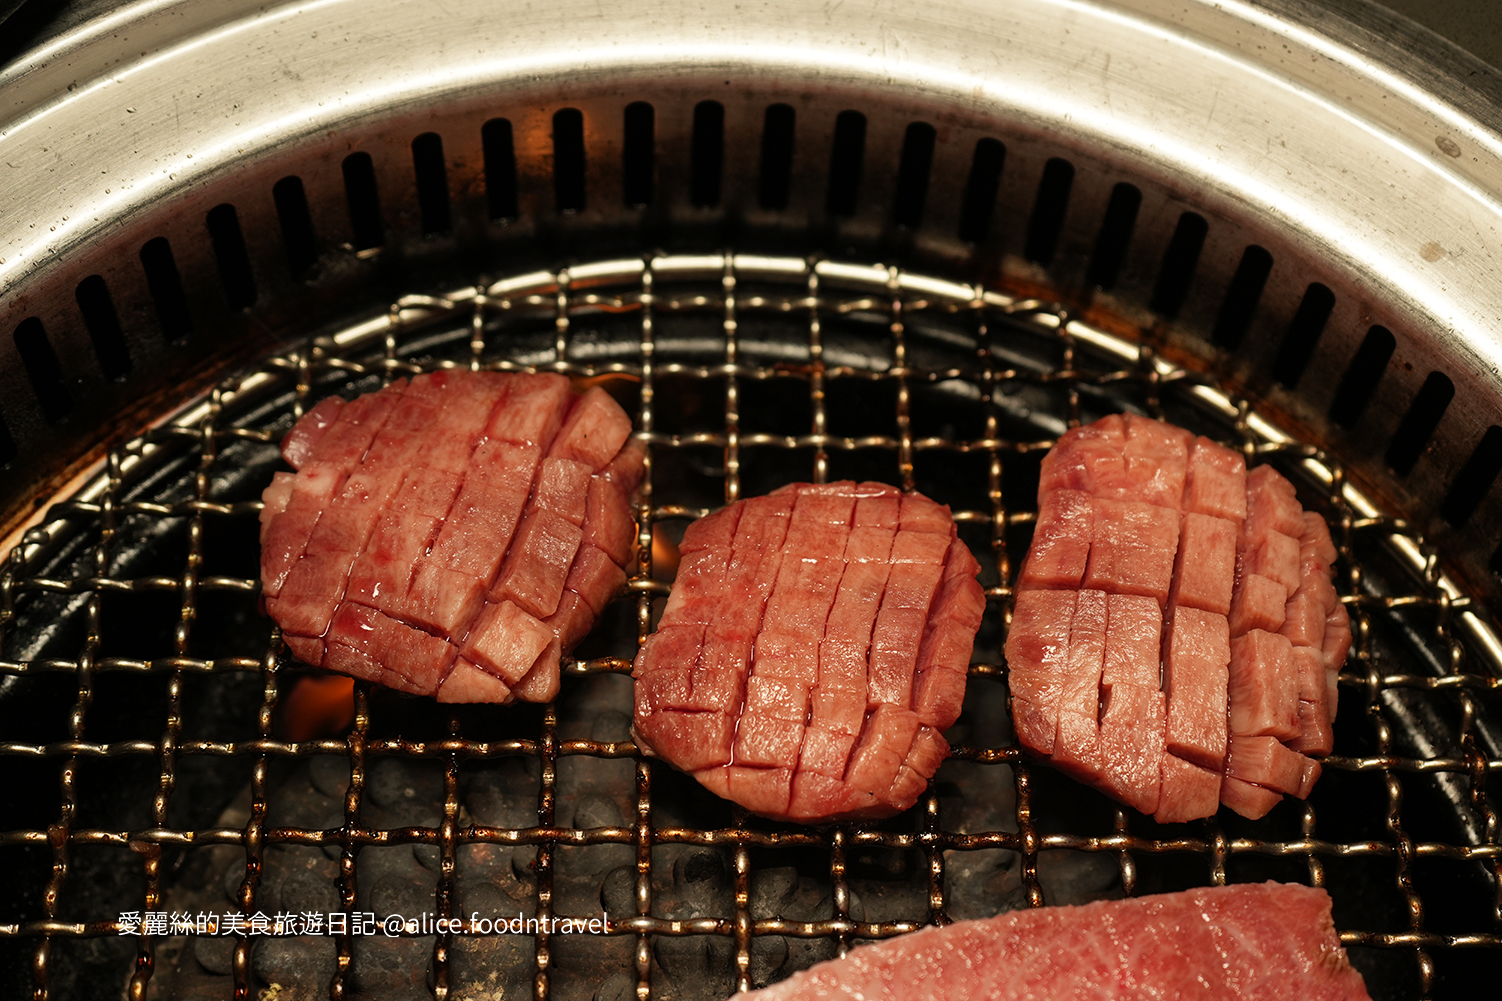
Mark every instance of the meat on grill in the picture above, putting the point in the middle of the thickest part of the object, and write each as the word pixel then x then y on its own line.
pixel 813 650
pixel 1176 637
pixel 1270 942
pixel 453 535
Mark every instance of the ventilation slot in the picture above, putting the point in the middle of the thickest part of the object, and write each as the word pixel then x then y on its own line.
pixel 364 202
pixel 980 190
pixel 708 153
pixel 1360 381
pixel 845 163
pixel 432 184
pixel 1418 424
pixel 500 169
pixel 568 160
pixel 297 225
pixel 43 369
pixel 103 325
pixel 776 157
pixel 1048 211
pixel 1114 237
pixel 1240 303
pixel 234 260
pixel 1179 262
pixel 8 450
pixel 167 291
pixel 1303 334
pixel 639 153
pixel 912 175
pixel 1474 480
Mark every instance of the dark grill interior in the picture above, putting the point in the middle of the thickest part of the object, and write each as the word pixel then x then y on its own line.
pixel 143 699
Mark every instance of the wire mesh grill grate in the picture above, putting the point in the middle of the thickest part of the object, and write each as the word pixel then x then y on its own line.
pixel 742 373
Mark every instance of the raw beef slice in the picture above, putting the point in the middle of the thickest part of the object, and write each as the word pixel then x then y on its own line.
pixel 1267 942
pixel 1175 638
pixel 453 535
pixel 813 649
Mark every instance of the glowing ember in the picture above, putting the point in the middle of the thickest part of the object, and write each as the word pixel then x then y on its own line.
pixel 318 706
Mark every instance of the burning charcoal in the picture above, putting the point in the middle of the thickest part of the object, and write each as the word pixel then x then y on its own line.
pixel 215 954
pixel 391 969
pixel 299 803
pixel 508 868
pixel 581 870
pixel 505 794
pixel 769 954
pixel 985 719
pixel 1076 877
pixel 701 885
pixel 430 857
pixel 805 952
pixel 782 893
pixel 618 893
pixel 678 800
pixel 772 891
pixel 593 709
pixel 409 793
pixel 485 899
pixel 311 890
pixel 492 966
pixel 888 864
pixel 983 883
pixel 804 898
pixel 302 967
pixel 189 988
pixel 393 894
pixel 580 960
pixel 330 775
pixel 893 884
pixel 616 988
pixel 598 811
pixel 234 875
pixel 695 965
pixel 611 726
pixel 989 800
pixel 700 867
pixel 599 788
pixel 391 867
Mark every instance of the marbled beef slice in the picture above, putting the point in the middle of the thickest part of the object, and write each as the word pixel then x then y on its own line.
pixel 453 535
pixel 1223 635
pixel 813 649
pixel 1244 942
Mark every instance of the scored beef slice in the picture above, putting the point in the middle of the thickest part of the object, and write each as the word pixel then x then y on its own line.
pixel 1222 627
pixel 452 535
pixel 812 651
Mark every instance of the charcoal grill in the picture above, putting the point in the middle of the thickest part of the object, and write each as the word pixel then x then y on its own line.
pixel 1061 234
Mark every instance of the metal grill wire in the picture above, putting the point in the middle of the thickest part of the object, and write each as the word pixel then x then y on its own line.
pixel 1088 363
